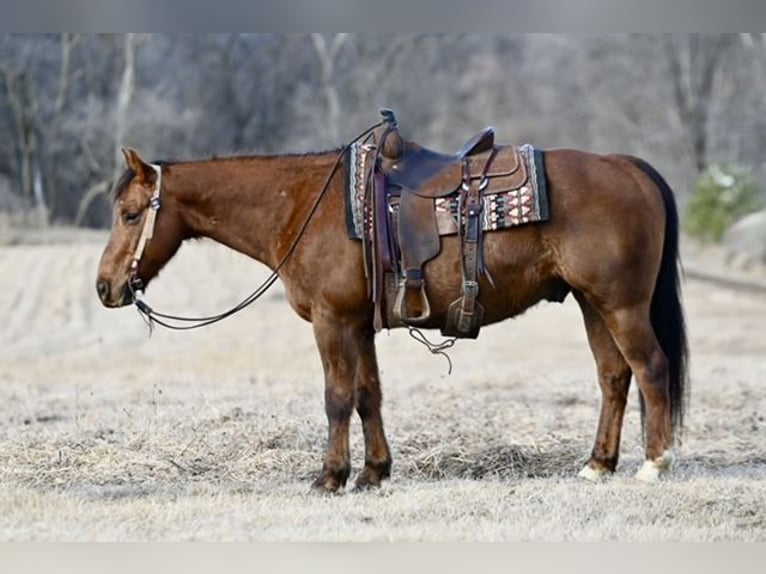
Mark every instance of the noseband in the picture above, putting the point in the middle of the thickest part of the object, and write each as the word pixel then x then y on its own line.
pixel 134 281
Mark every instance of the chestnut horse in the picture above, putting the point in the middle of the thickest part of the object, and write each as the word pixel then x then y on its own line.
pixel 612 241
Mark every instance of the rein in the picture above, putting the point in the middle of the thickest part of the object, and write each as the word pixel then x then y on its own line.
pixel 180 323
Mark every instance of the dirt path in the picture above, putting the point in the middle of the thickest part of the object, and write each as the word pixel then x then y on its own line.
pixel 106 433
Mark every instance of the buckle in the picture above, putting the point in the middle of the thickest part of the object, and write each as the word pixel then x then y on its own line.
pixel 413 278
pixel 471 289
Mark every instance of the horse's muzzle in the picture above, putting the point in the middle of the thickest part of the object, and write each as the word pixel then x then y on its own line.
pixel 113 298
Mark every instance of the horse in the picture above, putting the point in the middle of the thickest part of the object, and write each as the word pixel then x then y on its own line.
pixel 611 241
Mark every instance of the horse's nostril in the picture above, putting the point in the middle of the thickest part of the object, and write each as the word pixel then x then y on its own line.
pixel 102 287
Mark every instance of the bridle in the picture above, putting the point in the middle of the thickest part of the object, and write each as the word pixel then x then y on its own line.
pixel 179 323
pixel 135 283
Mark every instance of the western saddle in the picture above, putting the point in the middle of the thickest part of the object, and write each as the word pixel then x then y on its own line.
pixel 405 239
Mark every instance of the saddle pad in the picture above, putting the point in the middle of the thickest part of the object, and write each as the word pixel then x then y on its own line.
pixel 526 204
pixel 356 173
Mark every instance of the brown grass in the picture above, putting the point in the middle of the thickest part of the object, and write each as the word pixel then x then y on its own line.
pixel 107 434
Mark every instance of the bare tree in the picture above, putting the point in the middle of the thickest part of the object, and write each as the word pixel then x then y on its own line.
pixel 23 108
pixel 327 54
pixel 124 96
pixel 693 62
pixel 38 118
pixel 68 43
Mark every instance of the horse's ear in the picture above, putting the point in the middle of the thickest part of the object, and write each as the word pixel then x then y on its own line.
pixel 144 172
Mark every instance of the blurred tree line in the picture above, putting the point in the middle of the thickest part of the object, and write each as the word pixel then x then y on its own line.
pixel 68 102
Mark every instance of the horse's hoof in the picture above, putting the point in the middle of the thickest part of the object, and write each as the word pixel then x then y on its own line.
pixel 322 489
pixel 654 470
pixel 365 486
pixel 326 485
pixel 365 482
pixel 372 476
pixel 594 474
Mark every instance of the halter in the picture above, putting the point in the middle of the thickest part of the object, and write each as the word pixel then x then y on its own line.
pixel 135 283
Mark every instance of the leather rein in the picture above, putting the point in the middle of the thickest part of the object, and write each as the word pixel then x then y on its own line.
pixel 180 323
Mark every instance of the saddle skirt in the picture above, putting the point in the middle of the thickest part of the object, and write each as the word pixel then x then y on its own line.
pixel 509 189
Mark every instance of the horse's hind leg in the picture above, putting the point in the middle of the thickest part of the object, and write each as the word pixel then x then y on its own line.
pixel 377 456
pixel 614 376
pixel 632 331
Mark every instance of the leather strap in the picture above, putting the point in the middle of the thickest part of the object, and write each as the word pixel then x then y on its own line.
pixel 472 208
pixel 382 245
pixel 147 232
pixel 465 315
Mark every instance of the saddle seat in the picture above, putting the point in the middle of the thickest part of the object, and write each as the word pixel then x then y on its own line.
pixel 427 173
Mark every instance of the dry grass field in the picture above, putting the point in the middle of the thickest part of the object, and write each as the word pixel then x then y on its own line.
pixel 107 433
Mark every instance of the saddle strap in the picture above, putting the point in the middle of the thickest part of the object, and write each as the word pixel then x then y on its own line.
pixel 383 247
pixel 465 315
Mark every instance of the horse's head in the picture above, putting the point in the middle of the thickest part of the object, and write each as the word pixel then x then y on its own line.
pixel 146 232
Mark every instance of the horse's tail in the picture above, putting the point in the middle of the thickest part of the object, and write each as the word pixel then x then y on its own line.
pixel 666 312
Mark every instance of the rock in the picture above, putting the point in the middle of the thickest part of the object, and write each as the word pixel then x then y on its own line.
pixel 745 241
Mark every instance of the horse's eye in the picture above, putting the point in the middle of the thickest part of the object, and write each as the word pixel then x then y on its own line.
pixel 131 217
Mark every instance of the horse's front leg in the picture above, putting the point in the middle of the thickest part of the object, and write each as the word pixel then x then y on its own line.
pixel 377 456
pixel 337 342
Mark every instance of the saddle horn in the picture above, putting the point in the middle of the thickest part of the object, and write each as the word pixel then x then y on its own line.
pixel 389 117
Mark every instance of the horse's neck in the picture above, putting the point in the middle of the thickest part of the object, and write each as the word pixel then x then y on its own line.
pixel 247 204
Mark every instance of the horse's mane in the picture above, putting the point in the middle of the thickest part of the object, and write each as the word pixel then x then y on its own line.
pixel 245 156
pixel 125 178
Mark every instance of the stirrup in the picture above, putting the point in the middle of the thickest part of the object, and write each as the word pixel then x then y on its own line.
pixel 401 308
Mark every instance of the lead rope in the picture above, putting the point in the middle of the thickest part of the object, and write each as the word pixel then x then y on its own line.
pixel 150 316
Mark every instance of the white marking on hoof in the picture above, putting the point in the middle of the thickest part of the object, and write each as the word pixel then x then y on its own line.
pixel 653 470
pixel 592 474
